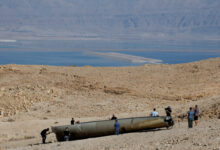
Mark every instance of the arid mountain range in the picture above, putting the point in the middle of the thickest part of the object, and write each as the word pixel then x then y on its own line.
pixel 140 19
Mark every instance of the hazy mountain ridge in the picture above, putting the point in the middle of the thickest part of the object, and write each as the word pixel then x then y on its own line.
pixel 96 18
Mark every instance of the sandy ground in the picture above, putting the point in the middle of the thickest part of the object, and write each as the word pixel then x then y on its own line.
pixel 36 97
pixel 179 138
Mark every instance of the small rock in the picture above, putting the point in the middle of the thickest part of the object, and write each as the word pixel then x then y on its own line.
pixel 3 89
pixel 186 138
pixel 28 86
pixel 45 118
pixel 50 91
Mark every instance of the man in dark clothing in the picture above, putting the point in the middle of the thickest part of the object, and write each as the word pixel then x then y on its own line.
pixel 67 134
pixel 117 126
pixel 72 121
pixel 169 119
pixel 113 117
pixel 44 135
pixel 196 115
pixel 168 111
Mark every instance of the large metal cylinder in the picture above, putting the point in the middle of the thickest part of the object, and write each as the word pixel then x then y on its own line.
pixel 106 127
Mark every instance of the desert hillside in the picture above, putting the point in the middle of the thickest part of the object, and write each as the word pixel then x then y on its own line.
pixel 85 91
pixel 35 97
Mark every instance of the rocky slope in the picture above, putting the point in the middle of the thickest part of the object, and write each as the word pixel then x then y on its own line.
pixel 36 97
pixel 112 89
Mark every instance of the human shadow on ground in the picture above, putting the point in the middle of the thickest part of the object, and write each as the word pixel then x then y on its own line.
pixel 39 143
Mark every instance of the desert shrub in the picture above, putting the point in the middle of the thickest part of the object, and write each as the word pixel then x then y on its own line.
pixel 10 120
pixel 45 118
pixel 28 137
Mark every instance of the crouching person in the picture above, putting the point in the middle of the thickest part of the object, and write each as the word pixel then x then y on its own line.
pixel 67 134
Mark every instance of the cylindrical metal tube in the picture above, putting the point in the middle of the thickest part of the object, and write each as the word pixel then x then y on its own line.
pixel 106 127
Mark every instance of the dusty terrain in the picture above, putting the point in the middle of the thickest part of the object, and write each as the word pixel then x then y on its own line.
pixel 36 97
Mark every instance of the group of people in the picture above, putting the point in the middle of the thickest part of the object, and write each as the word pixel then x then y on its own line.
pixel 193 115
pixel 72 122
pixel 116 125
pixel 168 111
pixel 66 133
pixel 46 131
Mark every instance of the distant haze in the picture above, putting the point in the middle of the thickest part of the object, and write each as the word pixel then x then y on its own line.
pixel 123 19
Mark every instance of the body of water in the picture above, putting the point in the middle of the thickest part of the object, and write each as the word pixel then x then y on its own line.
pixel 105 53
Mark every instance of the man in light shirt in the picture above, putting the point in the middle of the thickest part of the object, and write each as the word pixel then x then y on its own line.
pixel 154 113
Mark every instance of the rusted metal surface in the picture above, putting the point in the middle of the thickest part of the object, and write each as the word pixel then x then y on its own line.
pixel 106 127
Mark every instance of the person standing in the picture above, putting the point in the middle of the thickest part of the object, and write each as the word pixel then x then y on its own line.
pixel 154 113
pixel 72 122
pixel 44 135
pixel 169 119
pixel 168 111
pixel 196 115
pixel 190 117
pixel 113 117
pixel 117 126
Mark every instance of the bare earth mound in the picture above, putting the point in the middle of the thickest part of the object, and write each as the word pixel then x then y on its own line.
pixel 36 97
